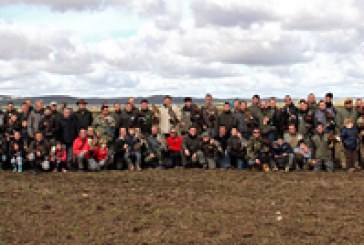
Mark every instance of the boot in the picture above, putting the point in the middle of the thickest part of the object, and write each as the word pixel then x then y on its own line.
pixel 286 169
pixel 138 168
pixel 131 166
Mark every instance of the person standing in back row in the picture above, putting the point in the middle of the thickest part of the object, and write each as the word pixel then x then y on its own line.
pixel 83 115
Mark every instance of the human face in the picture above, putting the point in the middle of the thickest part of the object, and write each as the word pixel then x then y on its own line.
pixel 292 129
pixel 66 113
pixel 288 100
pixel 154 130
pixel 193 131
pixel 83 134
pixel 303 106
pixel 39 137
pixel 208 99
pixel 256 133
pixel 320 129
pixel 105 112
pixel 144 105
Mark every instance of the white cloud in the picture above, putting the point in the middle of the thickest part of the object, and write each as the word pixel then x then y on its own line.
pixel 229 48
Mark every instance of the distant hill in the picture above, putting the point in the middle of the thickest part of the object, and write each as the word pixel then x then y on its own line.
pixel 154 99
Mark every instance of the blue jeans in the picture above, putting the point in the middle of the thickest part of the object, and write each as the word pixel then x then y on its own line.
pixel 224 161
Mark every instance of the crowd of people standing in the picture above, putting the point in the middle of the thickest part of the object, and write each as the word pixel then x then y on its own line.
pixel 256 135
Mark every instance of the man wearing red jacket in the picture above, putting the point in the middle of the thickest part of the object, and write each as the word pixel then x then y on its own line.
pixel 81 149
pixel 174 142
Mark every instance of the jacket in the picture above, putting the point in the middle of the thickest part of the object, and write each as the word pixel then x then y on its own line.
pixel 349 137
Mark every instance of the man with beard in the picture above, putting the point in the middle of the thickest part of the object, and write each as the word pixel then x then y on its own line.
pixel 129 117
pixel 289 113
pixel 192 154
pixel 227 118
pixel 209 116
pixel 329 105
pixel 305 119
pixel 190 114
pixel 83 115
pixel 145 118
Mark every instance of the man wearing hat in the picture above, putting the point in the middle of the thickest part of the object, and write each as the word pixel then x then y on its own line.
pixel 83 115
pixel 347 112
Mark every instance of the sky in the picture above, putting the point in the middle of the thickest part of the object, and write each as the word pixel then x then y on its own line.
pixel 230 48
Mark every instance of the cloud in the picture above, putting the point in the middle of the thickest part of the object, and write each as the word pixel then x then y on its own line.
pixel 229 48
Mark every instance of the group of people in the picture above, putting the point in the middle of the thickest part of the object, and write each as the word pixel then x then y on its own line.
pixel 256 135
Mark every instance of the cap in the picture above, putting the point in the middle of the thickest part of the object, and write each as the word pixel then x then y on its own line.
pixel 81 102
pixel 205 134
pixel 188 99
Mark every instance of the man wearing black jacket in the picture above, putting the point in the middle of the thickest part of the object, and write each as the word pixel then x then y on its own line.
pixel 83 115
pixel 68 131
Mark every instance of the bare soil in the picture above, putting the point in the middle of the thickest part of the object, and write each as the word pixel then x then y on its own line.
pixel 182 207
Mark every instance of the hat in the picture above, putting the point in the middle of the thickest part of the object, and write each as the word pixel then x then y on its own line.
pixel 348 101
pixel 53 103
pixel 144 101
pixel 188 99
pixel 81 102
pixel 205 134
pixel 256 96
pixel 330 95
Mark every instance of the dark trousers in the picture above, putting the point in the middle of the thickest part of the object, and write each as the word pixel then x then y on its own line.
pixel 351 158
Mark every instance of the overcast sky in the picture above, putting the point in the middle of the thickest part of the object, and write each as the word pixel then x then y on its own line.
pixel 230 48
